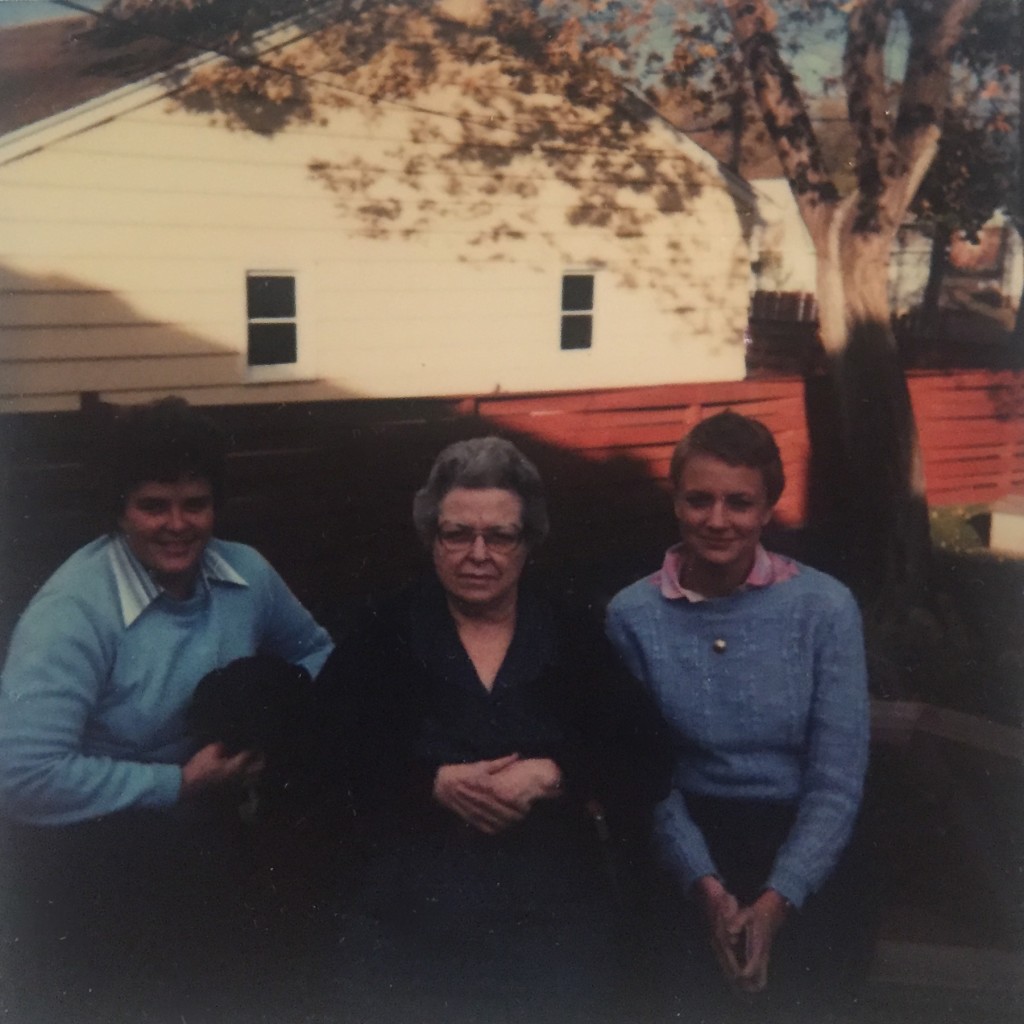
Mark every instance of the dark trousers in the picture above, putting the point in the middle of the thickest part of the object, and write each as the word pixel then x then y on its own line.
pixel 819 957
pixel 561 968
pixel 136 917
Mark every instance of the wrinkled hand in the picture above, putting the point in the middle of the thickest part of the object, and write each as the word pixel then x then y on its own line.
pixel 526 781
pixel 211 767
pixel 469 791
pixel 720 910
pixel 757 926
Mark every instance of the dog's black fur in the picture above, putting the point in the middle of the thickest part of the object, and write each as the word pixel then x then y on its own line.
pixel 261 704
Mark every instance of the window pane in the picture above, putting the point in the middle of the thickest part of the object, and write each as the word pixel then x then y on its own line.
pixel 576 331
pixel 578 292
pixel 270 296
pixel 270 344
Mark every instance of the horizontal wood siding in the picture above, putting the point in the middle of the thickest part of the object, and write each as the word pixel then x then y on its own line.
pixel 427 269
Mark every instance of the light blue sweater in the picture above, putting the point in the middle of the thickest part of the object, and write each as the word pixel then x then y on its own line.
pixel 781 713
pixel 102 665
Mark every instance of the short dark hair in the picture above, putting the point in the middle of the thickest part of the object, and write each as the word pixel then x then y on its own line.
pixel 738 441
pixel 165 441
pixel 478 463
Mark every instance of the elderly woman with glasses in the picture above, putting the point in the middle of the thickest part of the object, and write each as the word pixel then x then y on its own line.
pixel 489 739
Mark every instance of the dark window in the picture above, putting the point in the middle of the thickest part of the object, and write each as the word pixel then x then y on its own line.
pixel 270 309
pixel 577 331
pixel 577 310
pixel 270 344
pixel 578 292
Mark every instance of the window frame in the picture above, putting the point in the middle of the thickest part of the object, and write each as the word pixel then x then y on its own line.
pixel 257 372
pixel 570 315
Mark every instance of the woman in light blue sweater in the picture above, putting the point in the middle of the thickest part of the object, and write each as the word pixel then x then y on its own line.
pixel 105 799
pixel 757 663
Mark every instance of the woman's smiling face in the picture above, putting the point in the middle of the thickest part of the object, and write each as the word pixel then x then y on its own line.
pixel 722 510
pixel 167 526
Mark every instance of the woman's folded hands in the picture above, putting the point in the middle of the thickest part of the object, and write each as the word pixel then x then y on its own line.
pixel 741 936
pixel 494 795
pixel 756 927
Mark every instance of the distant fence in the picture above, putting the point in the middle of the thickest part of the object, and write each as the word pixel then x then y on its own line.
pixel 971 427
pixel 324 489
pixel 972 434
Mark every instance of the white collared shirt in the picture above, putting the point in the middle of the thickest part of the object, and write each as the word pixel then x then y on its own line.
pixel 137 589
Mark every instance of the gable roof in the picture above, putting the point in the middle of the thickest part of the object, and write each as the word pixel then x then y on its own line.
pixel 58 82
pixel 48 67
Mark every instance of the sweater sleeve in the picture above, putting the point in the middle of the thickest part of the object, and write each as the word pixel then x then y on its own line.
pixel 836 758
pixel 58 662
pixel 288 630
pixel 680 843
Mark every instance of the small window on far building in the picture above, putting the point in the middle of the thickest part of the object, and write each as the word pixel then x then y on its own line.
pixel 577 310
pixel 270 311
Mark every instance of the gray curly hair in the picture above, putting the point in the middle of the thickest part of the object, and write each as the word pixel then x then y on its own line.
pixel 476 464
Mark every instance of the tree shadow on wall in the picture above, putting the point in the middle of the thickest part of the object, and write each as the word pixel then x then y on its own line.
pixel 484 133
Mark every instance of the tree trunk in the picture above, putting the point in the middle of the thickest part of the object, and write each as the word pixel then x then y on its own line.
pixel 927 322
pixel 866 479
pixel 866 482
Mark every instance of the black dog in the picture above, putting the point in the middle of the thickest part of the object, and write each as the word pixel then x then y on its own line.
pixel 261 704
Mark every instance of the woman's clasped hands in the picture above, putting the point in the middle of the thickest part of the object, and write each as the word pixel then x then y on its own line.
pixel 494 795
pixel 741 936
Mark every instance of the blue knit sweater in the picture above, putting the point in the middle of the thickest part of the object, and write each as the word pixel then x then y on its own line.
pixel 765 691
pixel 102 665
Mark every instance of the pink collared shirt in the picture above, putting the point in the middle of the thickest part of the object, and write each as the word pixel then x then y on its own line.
pixel 768 568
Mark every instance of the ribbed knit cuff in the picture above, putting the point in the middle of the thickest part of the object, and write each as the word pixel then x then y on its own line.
pixel 165 788
pixel 789 886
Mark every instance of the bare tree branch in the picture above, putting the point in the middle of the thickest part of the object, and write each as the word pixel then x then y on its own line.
pixel 935 28
pixel 879 161
pixel 784 112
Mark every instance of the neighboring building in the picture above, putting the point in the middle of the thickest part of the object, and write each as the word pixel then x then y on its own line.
pixel 984 278
pixel 442 218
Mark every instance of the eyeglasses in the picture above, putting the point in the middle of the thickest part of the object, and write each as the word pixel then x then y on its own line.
pixel 500 540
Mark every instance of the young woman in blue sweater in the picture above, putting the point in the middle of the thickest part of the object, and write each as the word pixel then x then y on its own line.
pixel 757 663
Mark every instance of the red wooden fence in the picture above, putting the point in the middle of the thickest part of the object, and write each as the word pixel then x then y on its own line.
pixel 972 434
pixel 645 423
pixel 971 426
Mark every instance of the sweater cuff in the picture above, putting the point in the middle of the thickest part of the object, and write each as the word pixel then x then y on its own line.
pixel 789 886
pixel 165 789
pixel 686 869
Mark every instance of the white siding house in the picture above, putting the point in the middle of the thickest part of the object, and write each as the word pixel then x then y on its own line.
pixel 466 236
